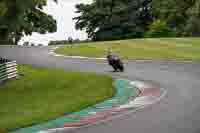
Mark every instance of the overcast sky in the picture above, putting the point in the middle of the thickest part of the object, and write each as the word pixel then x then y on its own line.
pixel 63 12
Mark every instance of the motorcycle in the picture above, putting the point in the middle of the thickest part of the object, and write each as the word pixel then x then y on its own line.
pixel 115 62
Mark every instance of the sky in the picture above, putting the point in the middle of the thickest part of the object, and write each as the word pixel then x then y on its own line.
pixel 63 12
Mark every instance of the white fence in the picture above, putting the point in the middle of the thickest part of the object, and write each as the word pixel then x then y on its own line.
pixel 8 69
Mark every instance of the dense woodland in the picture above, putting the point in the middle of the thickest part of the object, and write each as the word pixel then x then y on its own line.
pixel 105 19
pixel 121 19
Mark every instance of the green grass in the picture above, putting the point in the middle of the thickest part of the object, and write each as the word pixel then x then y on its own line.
pixel 44 94
pixel 156 49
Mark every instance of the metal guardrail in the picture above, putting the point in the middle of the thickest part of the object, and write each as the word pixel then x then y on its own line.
pixel 8 69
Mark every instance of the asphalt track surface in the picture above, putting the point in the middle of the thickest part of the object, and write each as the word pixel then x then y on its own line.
pixel 177 112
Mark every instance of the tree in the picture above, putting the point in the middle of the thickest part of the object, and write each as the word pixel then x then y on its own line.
pixel 182 15
pixel 192 27
pixel 23 17
pixel 114 19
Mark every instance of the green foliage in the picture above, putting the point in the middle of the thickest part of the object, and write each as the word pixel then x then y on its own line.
pixel 160 28
pixel 114 19
pixel 3 8
pixel 60 42
pixel 66 42
pixel 180 15
pixel 19 17
pixel 121 19
pixel 193 23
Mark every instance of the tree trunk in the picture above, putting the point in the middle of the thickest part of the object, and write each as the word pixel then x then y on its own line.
pixel 3 37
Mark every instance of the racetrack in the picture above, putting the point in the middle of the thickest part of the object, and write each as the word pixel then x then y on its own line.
pixel 178 112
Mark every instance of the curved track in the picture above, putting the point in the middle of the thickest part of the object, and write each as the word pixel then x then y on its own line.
pixel 178 112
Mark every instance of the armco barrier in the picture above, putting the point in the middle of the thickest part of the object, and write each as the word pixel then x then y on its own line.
pixel 8 69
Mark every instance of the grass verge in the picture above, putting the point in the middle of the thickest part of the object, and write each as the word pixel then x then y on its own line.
pixel 44 94
pixel 148 49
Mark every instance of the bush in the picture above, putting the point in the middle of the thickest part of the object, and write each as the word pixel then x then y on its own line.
pixel 40 44
pixel 26 44
pixel 160 28
pixel 61 42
